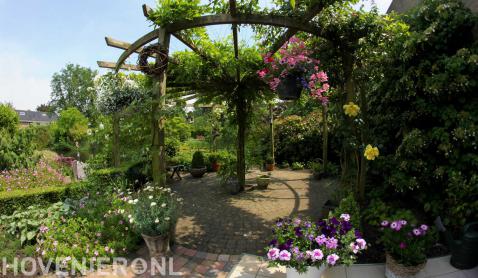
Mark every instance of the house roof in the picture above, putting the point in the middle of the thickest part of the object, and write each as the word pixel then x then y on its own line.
pixel 35 116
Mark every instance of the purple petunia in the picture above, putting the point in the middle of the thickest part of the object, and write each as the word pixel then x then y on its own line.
pixel 321 240
pixel 331 243
pixel 284 255
pixel 273 254
pixel 332 259
pixel 417 232
pixel 315 255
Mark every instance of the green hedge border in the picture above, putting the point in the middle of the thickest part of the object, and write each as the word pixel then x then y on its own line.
pixel 20 199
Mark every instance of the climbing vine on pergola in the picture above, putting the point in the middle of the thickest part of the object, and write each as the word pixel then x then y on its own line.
pixel 179 29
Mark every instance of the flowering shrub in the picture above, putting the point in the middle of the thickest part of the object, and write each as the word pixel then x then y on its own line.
pixel 294 60
pixel 154 211
pixel 406 242
pixel 95 228
pixel 42 175
pixel 299 243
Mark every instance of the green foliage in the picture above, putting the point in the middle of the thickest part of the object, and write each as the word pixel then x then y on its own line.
pixel 198 160
pixel 297 138
pixel 74 86
pixel 9 119
pixel 176 127
pixel 378 210
pixel 425 111
pixel 41 136
pixel 10 201
pixel 329 170
pixel 11 247
pixel 228 170
pixel 118 91
pixel 349 205
pixel 71 125
pixel 26 223
pixel 155 211
pixel 297 166
pixel 17 150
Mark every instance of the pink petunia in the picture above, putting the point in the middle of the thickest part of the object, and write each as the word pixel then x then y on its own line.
pixel 332 259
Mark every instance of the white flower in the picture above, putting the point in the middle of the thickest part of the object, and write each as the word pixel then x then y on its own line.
pixel 150 197
pixel 167 218
pixel 135 201
pixel 129 216
pixel 156 221
pixel 130 201
pixel 163 205
pixel 153 204
pixel 131 220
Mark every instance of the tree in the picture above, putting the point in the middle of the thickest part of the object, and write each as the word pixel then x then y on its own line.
pixel 71 125
pixel 8 118
pixel 74 86
pixel 44 108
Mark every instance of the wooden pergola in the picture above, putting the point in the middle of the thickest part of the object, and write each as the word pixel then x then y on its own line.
pixel 163 34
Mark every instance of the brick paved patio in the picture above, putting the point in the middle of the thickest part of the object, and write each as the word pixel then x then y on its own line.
pixel 217 222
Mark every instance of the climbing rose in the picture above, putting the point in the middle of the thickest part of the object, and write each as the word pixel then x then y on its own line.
pixel 351 109
pixel 371 153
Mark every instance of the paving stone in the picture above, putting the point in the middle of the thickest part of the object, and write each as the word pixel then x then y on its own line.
pixel 201 255
pixel 223 258
pixel 201 269
pixel 211 256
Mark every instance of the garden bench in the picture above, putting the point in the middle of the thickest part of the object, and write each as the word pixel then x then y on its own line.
pixel 176 170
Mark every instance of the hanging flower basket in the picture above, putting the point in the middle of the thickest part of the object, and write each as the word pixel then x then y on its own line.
pixel 289 88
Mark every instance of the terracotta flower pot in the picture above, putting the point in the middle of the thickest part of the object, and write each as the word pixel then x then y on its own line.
pixel 269 167
pixel 215 166
pixel 393 269
pixel 312 272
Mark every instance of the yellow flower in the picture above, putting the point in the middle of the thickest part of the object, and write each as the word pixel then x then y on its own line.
pixel 351 109
pixel 371 152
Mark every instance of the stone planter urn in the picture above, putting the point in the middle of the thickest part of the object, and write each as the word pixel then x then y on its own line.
pixel 198 172
pixel 312 272
pixel 158 245
pixel 393 269
pixel 263 182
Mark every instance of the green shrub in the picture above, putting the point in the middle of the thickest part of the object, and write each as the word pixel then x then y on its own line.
pixel 8 119
pixel 16 150
pixel 198 160
pixel 318 169
pixel 297 166
pixel 11 201
pixel 349 205
pixel 26 223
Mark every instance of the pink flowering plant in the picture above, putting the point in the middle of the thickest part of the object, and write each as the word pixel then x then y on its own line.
pixel 299 243
pixel 406 242
pixel 293 59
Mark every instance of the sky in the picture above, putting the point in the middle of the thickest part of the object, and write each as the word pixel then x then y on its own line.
pixel 39 37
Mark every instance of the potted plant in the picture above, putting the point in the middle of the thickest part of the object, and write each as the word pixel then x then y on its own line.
pixel 214 161
pixel 154 214
pixel 263 181
pixel 198 165
pixel 292 70
pixel 405 245
pixel 307 248
pixel 228 176
pixel 269 164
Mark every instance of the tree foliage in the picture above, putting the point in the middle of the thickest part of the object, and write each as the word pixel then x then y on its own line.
pixel 8 118
pixel 73 86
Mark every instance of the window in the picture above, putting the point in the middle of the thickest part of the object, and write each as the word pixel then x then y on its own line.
pixel 22 113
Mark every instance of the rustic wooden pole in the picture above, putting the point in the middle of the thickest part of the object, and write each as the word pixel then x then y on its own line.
pixel 116 140
pixel 325 137
pixel 271 115
pixel 158 154
pixel 241 139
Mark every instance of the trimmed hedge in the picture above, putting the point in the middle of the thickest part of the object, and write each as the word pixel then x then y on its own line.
pixel 20 199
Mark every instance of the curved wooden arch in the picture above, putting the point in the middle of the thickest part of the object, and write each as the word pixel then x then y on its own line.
pixel 272 20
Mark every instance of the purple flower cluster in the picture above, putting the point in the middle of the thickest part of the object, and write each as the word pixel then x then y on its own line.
pixel 302 241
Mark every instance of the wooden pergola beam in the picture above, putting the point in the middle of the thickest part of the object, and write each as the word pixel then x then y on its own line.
pixel 112 65
pixel 309 15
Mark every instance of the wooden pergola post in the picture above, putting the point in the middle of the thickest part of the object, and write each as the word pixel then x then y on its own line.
pixel 158 154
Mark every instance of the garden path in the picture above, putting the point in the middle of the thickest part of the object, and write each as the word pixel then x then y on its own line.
pixel 214 221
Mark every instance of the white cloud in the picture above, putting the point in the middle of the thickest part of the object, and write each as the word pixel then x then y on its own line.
pixel 22 79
